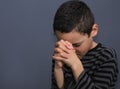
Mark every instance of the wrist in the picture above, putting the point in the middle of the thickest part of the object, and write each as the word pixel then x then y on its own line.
pixel 58 68
pixel 58 65
pixel 75 66
pixel 77 69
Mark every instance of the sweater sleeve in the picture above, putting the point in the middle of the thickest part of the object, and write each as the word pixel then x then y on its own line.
pixel 104 77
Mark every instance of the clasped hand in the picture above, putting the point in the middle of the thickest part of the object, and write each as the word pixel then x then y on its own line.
pixel 64 53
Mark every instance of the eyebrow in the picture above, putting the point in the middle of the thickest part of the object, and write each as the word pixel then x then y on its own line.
pixel 78 43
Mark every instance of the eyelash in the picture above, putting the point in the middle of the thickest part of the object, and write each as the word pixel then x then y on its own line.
pixel 76 45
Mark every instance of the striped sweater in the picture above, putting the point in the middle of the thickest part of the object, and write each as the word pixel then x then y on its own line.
pixel 100 71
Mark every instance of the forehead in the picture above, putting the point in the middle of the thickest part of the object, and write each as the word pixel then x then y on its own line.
pixel 72 37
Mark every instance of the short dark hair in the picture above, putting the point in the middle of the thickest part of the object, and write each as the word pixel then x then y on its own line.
pixel 73 14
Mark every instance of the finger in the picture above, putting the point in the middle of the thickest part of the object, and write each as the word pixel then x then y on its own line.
pixel 62 46
pixel 69 45
pixel 57 54
pixel 58 43
pixel 64 43
pixel 61 42
pixel 57 58
pixel 57 50
pixel 62 55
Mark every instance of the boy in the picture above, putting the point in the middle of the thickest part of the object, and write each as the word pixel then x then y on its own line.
pixel 78 61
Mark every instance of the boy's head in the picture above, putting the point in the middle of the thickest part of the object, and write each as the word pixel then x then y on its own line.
pixel 73 15
pixel 74 22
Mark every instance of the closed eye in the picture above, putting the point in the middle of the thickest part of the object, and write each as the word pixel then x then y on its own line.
pixel 76 45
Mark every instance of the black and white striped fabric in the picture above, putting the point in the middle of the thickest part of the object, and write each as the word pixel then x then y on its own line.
pixel 100 72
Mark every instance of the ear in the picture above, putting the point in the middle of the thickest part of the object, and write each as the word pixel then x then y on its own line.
pixel 94 30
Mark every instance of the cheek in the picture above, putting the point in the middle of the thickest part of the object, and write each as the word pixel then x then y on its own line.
pixel 82 50
pixel 79 50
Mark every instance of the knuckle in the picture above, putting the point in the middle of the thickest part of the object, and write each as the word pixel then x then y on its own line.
pixel 60 46
pixel 57 50
pixel 59 42
pixel 61 54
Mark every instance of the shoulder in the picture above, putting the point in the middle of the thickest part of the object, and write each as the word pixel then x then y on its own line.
pixel 106 54
pixel 101 53
pixel 107 51
pixel 108 58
